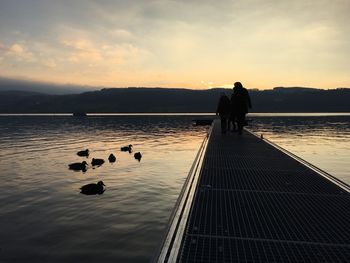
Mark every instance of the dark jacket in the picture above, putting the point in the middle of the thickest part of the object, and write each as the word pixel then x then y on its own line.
pixel 240 101
pixel 224 106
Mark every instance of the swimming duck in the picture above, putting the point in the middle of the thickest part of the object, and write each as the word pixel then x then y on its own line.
pixel 83 153
pixel 78 166
pixel 112 158
pixel 97 161
pixel 138 156
pixel 93 189
pixel 126 148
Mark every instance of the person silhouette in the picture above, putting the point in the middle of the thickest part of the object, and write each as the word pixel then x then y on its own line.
pixel 232 119
pixel 240 102
pixel 223 110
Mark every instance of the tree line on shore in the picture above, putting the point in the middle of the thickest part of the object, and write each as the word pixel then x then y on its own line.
pixel 163 100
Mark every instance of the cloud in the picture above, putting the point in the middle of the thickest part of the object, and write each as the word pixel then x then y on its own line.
pixel 26 55
pixel 49 63
pixel 19 52
pixel 121 34
pixel 98 53
pixel 16 49
pixel 82 50
pixel 183 41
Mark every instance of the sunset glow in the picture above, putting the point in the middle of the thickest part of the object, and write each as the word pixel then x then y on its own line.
pixel 189 44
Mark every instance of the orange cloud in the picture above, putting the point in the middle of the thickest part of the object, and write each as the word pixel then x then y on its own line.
pixel 20 52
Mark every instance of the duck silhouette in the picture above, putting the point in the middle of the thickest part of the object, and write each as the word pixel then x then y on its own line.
pixel 126 148
pixel 112 158
pixel 83 153
pixel 97 162
pixel 138 156
pixel 93 189
pixel 78 166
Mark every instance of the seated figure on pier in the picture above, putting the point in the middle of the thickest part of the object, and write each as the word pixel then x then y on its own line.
pixel 223 110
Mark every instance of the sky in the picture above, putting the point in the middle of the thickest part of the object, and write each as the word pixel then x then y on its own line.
pixel 177 43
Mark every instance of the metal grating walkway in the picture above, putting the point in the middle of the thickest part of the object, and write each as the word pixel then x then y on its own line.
pixel 255 203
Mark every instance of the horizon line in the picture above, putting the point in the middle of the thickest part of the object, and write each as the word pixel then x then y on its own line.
pixel 24 80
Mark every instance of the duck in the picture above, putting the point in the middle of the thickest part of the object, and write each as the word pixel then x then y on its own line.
pixel 78 166
pixel 93 189
pixel 83 153
pixel 97 161
pixel 126 148
pixel 112 158
pixel 138 156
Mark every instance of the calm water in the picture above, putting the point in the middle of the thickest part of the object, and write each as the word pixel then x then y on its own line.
pixel 322 140
pixel 44 218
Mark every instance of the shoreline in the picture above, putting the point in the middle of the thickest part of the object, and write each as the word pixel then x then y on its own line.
pixel 253 114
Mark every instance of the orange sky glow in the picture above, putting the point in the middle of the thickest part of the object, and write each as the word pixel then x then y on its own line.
pixel 187 44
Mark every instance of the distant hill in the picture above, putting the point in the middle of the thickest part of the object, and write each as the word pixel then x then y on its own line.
pixel 150 100
pixel 8 84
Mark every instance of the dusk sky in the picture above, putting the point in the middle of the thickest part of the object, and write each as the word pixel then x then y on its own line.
pixel 182 43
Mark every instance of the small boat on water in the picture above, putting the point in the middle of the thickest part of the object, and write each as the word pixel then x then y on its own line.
pixel 79 114
pixel 202 122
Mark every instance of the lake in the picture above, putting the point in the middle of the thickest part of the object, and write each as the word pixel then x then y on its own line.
pixel 321 139
pixel 45 218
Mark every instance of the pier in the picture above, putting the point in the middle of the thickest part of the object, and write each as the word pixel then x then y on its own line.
pixel 248 200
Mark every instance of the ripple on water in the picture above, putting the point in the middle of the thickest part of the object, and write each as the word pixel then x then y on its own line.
pixel 323 141
pixel 46 219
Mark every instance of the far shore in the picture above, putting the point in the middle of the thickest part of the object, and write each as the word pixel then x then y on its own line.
pixel 252 114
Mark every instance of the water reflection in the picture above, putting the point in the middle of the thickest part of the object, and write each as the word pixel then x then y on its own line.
pixel 46 219
pixel 322 140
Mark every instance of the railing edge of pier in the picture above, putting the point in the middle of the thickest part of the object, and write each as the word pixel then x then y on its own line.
pixel 167 251
pixel 321 172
